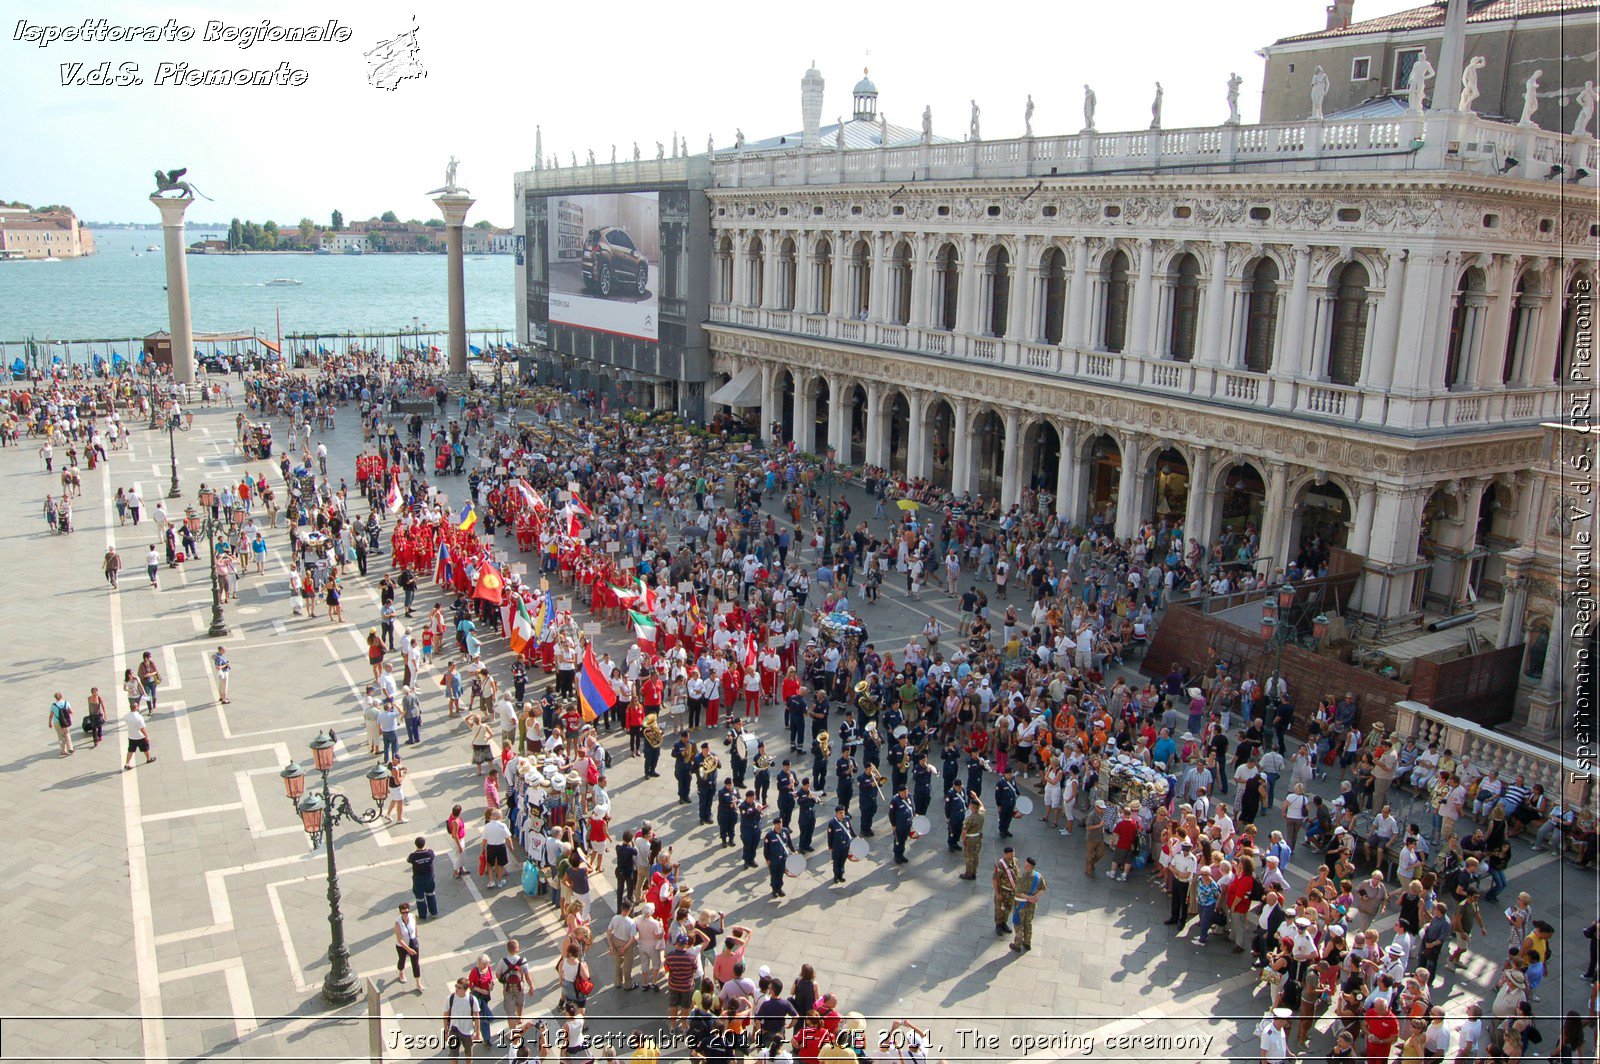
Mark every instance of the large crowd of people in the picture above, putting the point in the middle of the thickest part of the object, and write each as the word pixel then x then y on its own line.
pixel 750 603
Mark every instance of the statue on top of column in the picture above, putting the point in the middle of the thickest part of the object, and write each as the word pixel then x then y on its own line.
pixel 927 123
pixel 1469 85
pixel 1417 84
pixel 1234 82
pixel 972 126
pixel 1586 101
pixel 450 187
pixel 1027 117
pixel 1089 102
pixel 1530 98
pixel 1155 107
pixel 1319 92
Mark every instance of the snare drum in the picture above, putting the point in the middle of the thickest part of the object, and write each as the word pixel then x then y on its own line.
pixel 1024 805
pixel 794 865
pixel 920 826
pixel 859 848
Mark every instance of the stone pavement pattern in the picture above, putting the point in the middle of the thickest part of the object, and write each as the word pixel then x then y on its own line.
pixel 174 912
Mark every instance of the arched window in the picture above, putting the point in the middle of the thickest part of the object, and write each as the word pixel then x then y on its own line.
pixel 1521 308
pixel 947 271
pixel 1348 338
pixel 901 277
pixel 861 279
pixel 786 278
pixel 1261 323
pixel 997 277
pixel 1577 317
pixel 1185 308
pixel 1463 328
pixel 822 264
pixel 755 269
pixel 1115 330
pixel 725 271
pixel 1055 295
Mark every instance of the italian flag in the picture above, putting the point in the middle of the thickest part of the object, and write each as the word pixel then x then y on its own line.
pixel 522 632
pixel 644 630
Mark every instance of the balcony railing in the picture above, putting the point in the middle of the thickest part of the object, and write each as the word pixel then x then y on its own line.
pixel 1564 780
pixel 1435 141
pixel 1239 387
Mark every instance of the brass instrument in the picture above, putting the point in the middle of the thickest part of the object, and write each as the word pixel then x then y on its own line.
pixel 824 744
pixel 710 767
pixel 764 761
pixel 868 706
pixel 652 732
pixel 877 777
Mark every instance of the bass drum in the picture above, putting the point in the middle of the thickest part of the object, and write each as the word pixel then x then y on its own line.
pixel 794 865
pixel 1024 805
pixel 859 849
pixel 920 826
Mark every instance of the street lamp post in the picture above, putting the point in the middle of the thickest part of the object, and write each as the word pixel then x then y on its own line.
pixel 210 526
pixel 172 451
pixel 826 479
pixel 1283 617
pixel 319 813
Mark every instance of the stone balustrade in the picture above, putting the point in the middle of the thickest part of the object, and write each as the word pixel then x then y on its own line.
pixel 1564 779
pixel 1228 385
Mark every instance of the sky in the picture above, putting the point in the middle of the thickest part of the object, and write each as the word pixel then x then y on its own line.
pixel 609 74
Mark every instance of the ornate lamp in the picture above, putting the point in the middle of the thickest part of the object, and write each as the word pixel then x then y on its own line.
pixel 378 780
pixel 311 809
pixel 1319 626
pixel 294 781
pixel 322 751
pixel 1286 595
pixel 1269 625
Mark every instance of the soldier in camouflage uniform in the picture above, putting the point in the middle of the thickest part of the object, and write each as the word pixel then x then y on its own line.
pixel 1032 889
pixel 1007 883
pixel 972 836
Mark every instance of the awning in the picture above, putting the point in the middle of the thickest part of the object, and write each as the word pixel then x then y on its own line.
pixel 743 390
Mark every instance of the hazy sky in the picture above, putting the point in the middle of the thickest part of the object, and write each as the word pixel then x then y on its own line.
pixel 591 75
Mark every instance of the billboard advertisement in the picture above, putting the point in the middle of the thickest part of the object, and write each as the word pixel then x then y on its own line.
pixel 604 261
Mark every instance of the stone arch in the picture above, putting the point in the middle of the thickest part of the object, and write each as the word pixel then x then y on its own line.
pixel 897 430
pixel 853 407
pixel 1262 281
pixel 823 256
pixel 1240 491
pixel 939 420
pixel 787 279
pixel 1116 276
pixel 1321 515
pixel 1041 454
pixel 999 273
pixel 988 451
pixel 1469 302
pixel 818 409
pixel 1102 480
pixel 725 269
pixel 1167 483
pixel 783 385
pixel 1056 275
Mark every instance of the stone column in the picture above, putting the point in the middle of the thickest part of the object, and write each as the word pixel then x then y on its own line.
pixel 917 438
pixel 1076 327
pixel 877 434
pixel 1377 372
pixel 770 413
pixel 1216 304
pixel 1067 472
pixel 1021 326
pixel 1143 300
pixel 1361 519
pixel 1497 333
pixel 1275 521
pixel 454 207
pixel 804 419
pixel 1514 607
pixel 961 470
pixel 967 295
pixel 1290 349
pixel 1194 514
pixel 179 324
pixel 1545 706
pixel 1011 461
pixel 803 299
pixel 1397 517
pixel 770 281
pixel 839 419
pixel 1127 488
pixel 839 306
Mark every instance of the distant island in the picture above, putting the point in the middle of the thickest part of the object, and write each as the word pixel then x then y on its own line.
pixel 383 234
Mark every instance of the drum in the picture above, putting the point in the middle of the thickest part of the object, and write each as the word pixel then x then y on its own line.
pixel 794 865
pixel 920 826
pixel 859 849
pixel 1024 804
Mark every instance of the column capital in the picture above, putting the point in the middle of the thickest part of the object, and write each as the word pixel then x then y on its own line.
pixel 454 207
pixel 172 208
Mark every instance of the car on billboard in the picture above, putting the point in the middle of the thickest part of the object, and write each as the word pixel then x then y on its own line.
pixel 610 260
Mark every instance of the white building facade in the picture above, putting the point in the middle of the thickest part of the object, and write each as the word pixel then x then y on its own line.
pixel 1346 330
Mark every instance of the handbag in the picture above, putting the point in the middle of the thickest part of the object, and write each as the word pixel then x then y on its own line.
pixel 583 984
pixel 483 860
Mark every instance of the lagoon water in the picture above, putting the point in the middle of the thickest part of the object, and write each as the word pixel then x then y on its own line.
pixel 120 292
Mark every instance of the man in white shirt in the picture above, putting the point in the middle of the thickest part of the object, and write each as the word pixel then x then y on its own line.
pixel 1469 1035
pixel 138 738
pixel 460 1019
pixel 622 936
pixel 1273 1039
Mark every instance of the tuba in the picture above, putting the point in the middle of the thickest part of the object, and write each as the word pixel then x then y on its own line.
pixel 652 731
pixel 824 744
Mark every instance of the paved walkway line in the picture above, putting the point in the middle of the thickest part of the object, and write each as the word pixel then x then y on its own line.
pixel 144 946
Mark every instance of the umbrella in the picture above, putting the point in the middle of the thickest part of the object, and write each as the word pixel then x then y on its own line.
pixel 907 504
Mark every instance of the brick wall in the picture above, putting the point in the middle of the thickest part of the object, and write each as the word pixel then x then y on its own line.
pixel 1196 640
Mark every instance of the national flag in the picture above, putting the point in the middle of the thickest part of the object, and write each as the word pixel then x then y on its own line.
pixel 595 696
pixel 577 503
pixel 750 649
pixel 490 586
pixel 625 594
pixel 531 497
pixel 522 630
pixel 467 518
pixel 574 530
pixel 392 500
pixel 644 630
pixel 442 569
pixel 648 596
pixel 546 617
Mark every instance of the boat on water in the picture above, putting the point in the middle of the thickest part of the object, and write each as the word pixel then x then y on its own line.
pixel 324 251
pixel 153 247
pixel 282 282
pixel 354 251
